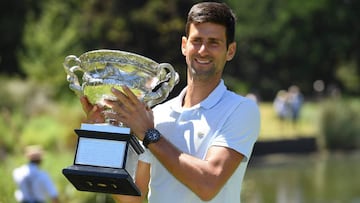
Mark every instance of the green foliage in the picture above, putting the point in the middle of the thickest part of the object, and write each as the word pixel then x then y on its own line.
pixel 236 85
pixel 48 37
pixel 280 42
pixel 28 115
pixel 43 130
pixel 296 42
pixel 19 100
pixel 340 124
pixel 10 128
pixel 7 193
pixel 349 74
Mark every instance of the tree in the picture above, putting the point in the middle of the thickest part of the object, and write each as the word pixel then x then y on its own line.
pixel 280 42
pixel 12 17
pixel 295 42
pixel 48 37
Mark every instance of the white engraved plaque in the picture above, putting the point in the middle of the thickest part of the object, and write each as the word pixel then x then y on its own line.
pixel 100 152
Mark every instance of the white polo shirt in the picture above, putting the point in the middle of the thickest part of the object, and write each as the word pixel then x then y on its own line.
pixel 222 119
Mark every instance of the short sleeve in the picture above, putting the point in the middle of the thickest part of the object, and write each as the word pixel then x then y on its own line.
pixel 241 129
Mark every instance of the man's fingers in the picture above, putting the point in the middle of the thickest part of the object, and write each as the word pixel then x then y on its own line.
pixel 126 98
pixel 87 107
pixel 116 106
pixel 133 98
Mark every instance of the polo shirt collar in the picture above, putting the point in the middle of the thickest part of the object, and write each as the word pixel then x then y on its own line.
pixel 214 96
pixel 207 103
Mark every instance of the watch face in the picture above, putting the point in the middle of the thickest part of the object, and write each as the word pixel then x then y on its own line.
pixel 151 136
pixel 154 135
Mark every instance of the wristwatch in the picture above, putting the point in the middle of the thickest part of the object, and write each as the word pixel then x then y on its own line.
pixel 151 136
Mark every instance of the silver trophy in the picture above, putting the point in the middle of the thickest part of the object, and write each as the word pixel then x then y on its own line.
pixel 106 155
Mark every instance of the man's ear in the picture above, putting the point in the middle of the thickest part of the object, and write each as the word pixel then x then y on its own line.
pixel 231 51
pixel 183 45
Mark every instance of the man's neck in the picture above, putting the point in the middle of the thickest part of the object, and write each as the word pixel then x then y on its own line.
pixel 197 91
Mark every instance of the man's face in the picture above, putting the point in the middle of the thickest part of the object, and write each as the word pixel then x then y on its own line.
pixel 205 50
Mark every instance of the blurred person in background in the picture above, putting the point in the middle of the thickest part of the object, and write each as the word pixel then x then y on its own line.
pixel 34 184
pixel 282 105
pixel 296 100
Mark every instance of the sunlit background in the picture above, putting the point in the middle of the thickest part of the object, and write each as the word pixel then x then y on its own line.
pixel 313 45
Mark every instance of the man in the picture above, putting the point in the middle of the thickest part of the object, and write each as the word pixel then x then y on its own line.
pixel 199 143
pixel 34 184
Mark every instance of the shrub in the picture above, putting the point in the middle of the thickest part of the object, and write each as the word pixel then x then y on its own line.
pixel 43 130
pixel 340 120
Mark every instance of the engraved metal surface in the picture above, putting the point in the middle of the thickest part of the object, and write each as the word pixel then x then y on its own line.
pixel 102 69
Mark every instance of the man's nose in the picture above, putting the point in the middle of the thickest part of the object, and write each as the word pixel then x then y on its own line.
pixel 203 49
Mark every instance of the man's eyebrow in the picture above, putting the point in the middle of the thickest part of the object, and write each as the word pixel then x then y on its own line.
pixel 212 39
pixel 208 39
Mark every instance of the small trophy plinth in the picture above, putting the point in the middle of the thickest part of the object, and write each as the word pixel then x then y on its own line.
pixel 105 160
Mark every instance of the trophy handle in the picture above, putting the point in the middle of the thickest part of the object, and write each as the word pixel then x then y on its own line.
pixel 168 79
pixel 71 65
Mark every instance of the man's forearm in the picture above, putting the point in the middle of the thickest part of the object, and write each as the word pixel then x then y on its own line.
pixel 127 199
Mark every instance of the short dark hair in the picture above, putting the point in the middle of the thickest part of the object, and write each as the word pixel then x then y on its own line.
pixel 213 12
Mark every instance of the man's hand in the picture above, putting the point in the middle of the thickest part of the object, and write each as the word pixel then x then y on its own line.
pixel 130 111
pixel 94 113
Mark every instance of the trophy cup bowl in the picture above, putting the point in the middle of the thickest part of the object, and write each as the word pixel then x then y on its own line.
pixel 106 155
pixel 103 69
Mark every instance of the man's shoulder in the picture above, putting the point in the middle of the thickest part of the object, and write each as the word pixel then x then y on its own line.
pixel 232 97
pixel 239 102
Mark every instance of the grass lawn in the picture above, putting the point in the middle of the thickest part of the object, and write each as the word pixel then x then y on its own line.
pixel 272 128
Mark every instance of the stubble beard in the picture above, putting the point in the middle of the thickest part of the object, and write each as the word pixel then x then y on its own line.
pixel 201 74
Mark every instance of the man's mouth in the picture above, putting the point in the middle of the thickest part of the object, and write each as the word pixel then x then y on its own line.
pixel 202 61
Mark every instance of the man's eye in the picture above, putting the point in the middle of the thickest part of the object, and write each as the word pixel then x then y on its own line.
pixel 214 43
pixel 196 41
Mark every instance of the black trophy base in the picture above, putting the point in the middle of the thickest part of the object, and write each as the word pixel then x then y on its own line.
pixel 102 180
